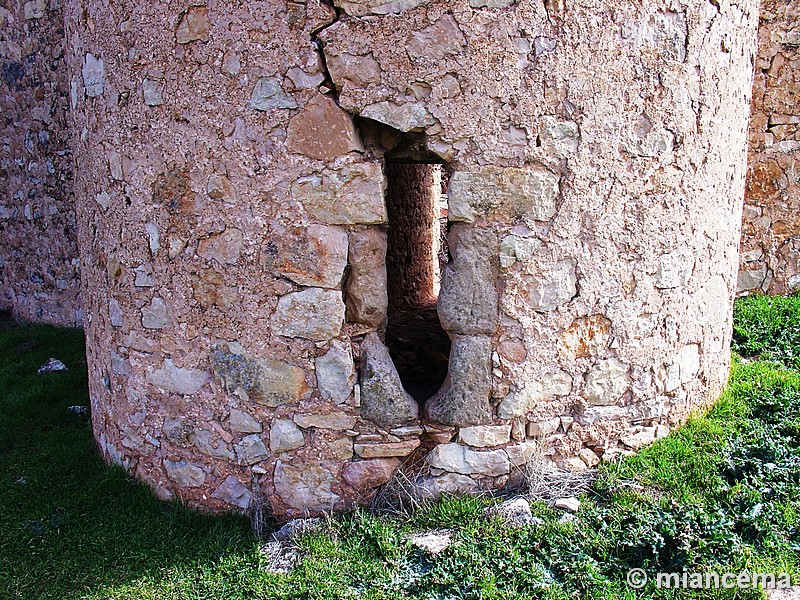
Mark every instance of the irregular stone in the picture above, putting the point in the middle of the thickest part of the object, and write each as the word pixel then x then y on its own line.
pixel 674 269
pixel 225 247
pixel 491 3
pixel 557 137
pixel 284 435
pixel 383 399
pixel 574 465
pixel 266 381
pixel 144 276
pixel 521 454
pixel 449 484
pixel 269 94
pixel 468 295
pixel 586 336
pixel 185 474
pixel 313 256
pixel 553 287
pixel 464 399
pixel 115 316
pixel 639 440
pixel 688 362
pixel 293 529
pixel 232 491
pixel 482 436
pixel 387 449
pixel 341 449
pixel 322 130
pixel 542 389
pixel 35 9
pixel 206 443
pixel 606 382
pixel 540 429
pixel 186 381
pixel 153 92
pixel 336 373
pixel 503 194
pixel 313 313
pixel 432 542
pixel 359 71
pixel 366 474
pixel 242 422
pixel 250 450
pixel 349 195
pixel 193 26
pixel 456 458
pixel 588 456
pixel 435 42
pixel 155 315
pixel 367 295
pixel 219 187
pixel 93 76
pixel 514 513
pixel 152 237
pixel 403 117
pixel 359 8
pixel 303 80
pixel 512 351
pixel 306 488
pixel 104 200
pixel 515 248
pixel 570 504
pixel 338 421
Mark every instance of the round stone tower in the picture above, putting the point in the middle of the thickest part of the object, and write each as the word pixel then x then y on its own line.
pixel 323 243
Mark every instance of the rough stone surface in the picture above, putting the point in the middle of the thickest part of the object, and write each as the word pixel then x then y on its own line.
pixel 456 458
pixel 265 381
pixel 313 313
pixel 543 388
pixel 367 296
pixel 367 474
pixel 514 513
pixel 577 198
pixel 314 256
pixel 305 488
pixel 39 262
pixel 770 243
pixel 346 196
pixel 250 450
pixel 481 436
pixel 284 435
pixel 464 399
pixel 185 474
pixel 607 381
pixel 242 422
pixel 231 491
pixel 178 380
pixel 322 130
pixel 383 399
pixel 468 297
pixel 503 194
pixel 336 373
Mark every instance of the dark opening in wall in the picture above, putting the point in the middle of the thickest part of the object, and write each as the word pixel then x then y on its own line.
pixel 415 257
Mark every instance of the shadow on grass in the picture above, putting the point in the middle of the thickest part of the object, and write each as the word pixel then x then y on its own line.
pixel 70 525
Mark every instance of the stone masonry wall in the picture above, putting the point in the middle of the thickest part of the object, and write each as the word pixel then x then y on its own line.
pixel 770 247
pixel 39 266
pixel 232 217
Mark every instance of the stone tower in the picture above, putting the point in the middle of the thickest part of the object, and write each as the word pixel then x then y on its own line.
pixel 275 313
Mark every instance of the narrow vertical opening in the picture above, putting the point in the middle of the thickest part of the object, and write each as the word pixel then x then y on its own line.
pixel 416 254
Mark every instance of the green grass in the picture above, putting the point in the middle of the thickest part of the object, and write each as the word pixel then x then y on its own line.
pixel 720 494
pixel 767 327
